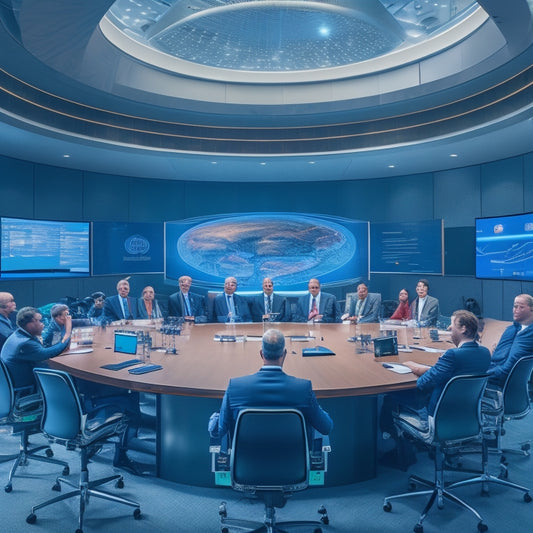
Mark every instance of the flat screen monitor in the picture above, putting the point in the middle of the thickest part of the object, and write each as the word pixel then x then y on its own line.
pixel 504 247
pixel 44 249
pixel 127 247
pixel 125 342
pixel 290 248
pixel 407 247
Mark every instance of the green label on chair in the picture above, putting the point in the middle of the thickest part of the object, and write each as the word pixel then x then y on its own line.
pixel 223 478
pixel 316 477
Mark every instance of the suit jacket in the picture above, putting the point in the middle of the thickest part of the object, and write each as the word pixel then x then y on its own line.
pixel 113 309
pixel 220 308
pixel 328 308
pixel 143 313
pixel 430 311
pixel 53 333
pixel 7 326
pixel 279 305
pixel 514 344
pixel 175 304
pixel 370 310
pixel 270 388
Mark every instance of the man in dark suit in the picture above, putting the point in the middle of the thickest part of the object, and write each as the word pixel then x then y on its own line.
pixel 269 306
pixel 270 387
pixel 185 303
pixel 120 306
pixel 425 308
pixel 362 306
pixel 317 306
pixel 8 316
pixel 229 306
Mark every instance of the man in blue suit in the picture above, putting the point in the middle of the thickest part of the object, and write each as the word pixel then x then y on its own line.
pixel 120 306
pixel 362 306
pixel 317 306
pixel 185 303
pixel 269 306
pixel 8 316
pixel 270 387
pixel 229 306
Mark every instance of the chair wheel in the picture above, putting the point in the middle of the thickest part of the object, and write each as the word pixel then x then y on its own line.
pixel 317 530
pixel 8 487
pixel 57 486
pixel 49 452
pixel 325 520
pixel 224 530
pixel 526 447
pixel 387 507
pixel 66 471
pixel 31 518
pixel 222 510
pixel 119 484
pixel 527 497
pixel 418 528
pixel 79 530
pixel 481 527
pixel 137 514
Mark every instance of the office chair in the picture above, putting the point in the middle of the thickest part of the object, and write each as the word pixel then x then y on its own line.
pixel 270 460
pixel 23 415
pixel 456 420
pixel 387 308
pixel 65 423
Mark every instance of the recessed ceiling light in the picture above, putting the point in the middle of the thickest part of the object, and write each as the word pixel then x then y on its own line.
pixel 262 163
pixel 66 156
pixel 311 162
pixel 454 155
pixel 392 166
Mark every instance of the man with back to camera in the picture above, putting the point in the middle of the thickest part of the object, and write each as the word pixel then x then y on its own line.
pixel 468 357
pixel 362 306
pixel 317 306
pixel 23 351
pixel 185 303
pixel 515 342
pixel 120 306
pixel 8 316
pixel 425 308
pixel 230 306
pixel 269 306
pixel 270 387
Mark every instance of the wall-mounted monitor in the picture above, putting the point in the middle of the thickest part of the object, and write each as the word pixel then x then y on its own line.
pixel 44 249
pixel 504 247
pixel 290 248
pixel 127 247
pixel 407 247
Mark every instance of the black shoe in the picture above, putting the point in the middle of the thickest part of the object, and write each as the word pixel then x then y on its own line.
pixel 125 463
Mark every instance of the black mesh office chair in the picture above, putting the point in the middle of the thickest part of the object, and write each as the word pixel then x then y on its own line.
pixel 65 423
pixel 456 420
pixel 23 415
pixel 387 308
pixel 269 460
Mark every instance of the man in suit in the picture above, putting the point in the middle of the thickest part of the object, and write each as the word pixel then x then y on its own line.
pixel 269 306
pixel 56 328
pixel 120 306
pixel 229 306
pixel 8 316
pixel 185 303
pixel 270 387
pixel 148 306
pixel 468 357
pixel 425 308
pixel 362 306
pixel 515 342
pixel 317 306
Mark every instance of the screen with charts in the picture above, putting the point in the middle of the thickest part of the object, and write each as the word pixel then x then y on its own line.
pixel 407 247
pixel 504 247
pixel 44 249
pixel 290 248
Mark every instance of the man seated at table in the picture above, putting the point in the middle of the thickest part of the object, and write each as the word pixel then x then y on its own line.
pixel 8 316
pixel 317 306
pixel 96 311
pixel 120 306
pixel 362 306
pixel 184 303
pixel 468 357
pixel 230 307
pixel 270 387
pixel 56 328
pixel 515 342
pixel 425 308
pixel 269 306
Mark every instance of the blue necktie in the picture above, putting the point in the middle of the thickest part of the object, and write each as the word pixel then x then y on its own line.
pixel 187 306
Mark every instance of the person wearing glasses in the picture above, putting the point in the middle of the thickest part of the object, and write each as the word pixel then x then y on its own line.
pixel 317 306
pixel 8 316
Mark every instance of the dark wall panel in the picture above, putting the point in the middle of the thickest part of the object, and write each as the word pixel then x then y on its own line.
pixel 16 198
pixel 106 197
pixel 502 187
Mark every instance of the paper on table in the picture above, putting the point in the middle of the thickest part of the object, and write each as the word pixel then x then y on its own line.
pixel 396 367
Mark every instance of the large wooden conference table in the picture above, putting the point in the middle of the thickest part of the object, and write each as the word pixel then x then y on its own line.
pixel 192 382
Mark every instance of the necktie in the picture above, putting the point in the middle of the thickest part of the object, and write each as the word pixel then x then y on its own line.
pixel 269 304
pixel 231 308
pixel 314 310
pixel 358 307
pixel 126 306
pixel 187 306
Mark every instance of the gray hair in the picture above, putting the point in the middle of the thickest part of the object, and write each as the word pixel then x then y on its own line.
pixel 273 344
pixel 57 309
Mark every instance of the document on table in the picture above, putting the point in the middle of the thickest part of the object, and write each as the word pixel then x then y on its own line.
pixel 397 367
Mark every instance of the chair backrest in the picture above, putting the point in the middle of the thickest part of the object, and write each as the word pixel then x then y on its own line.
pixel 270 451
pixel 516 388
pixel 63 415
pixel 6 391
pixel 457 414
pixel 387 308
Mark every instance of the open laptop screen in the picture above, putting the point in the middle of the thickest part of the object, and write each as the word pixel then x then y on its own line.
pixel 125 342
